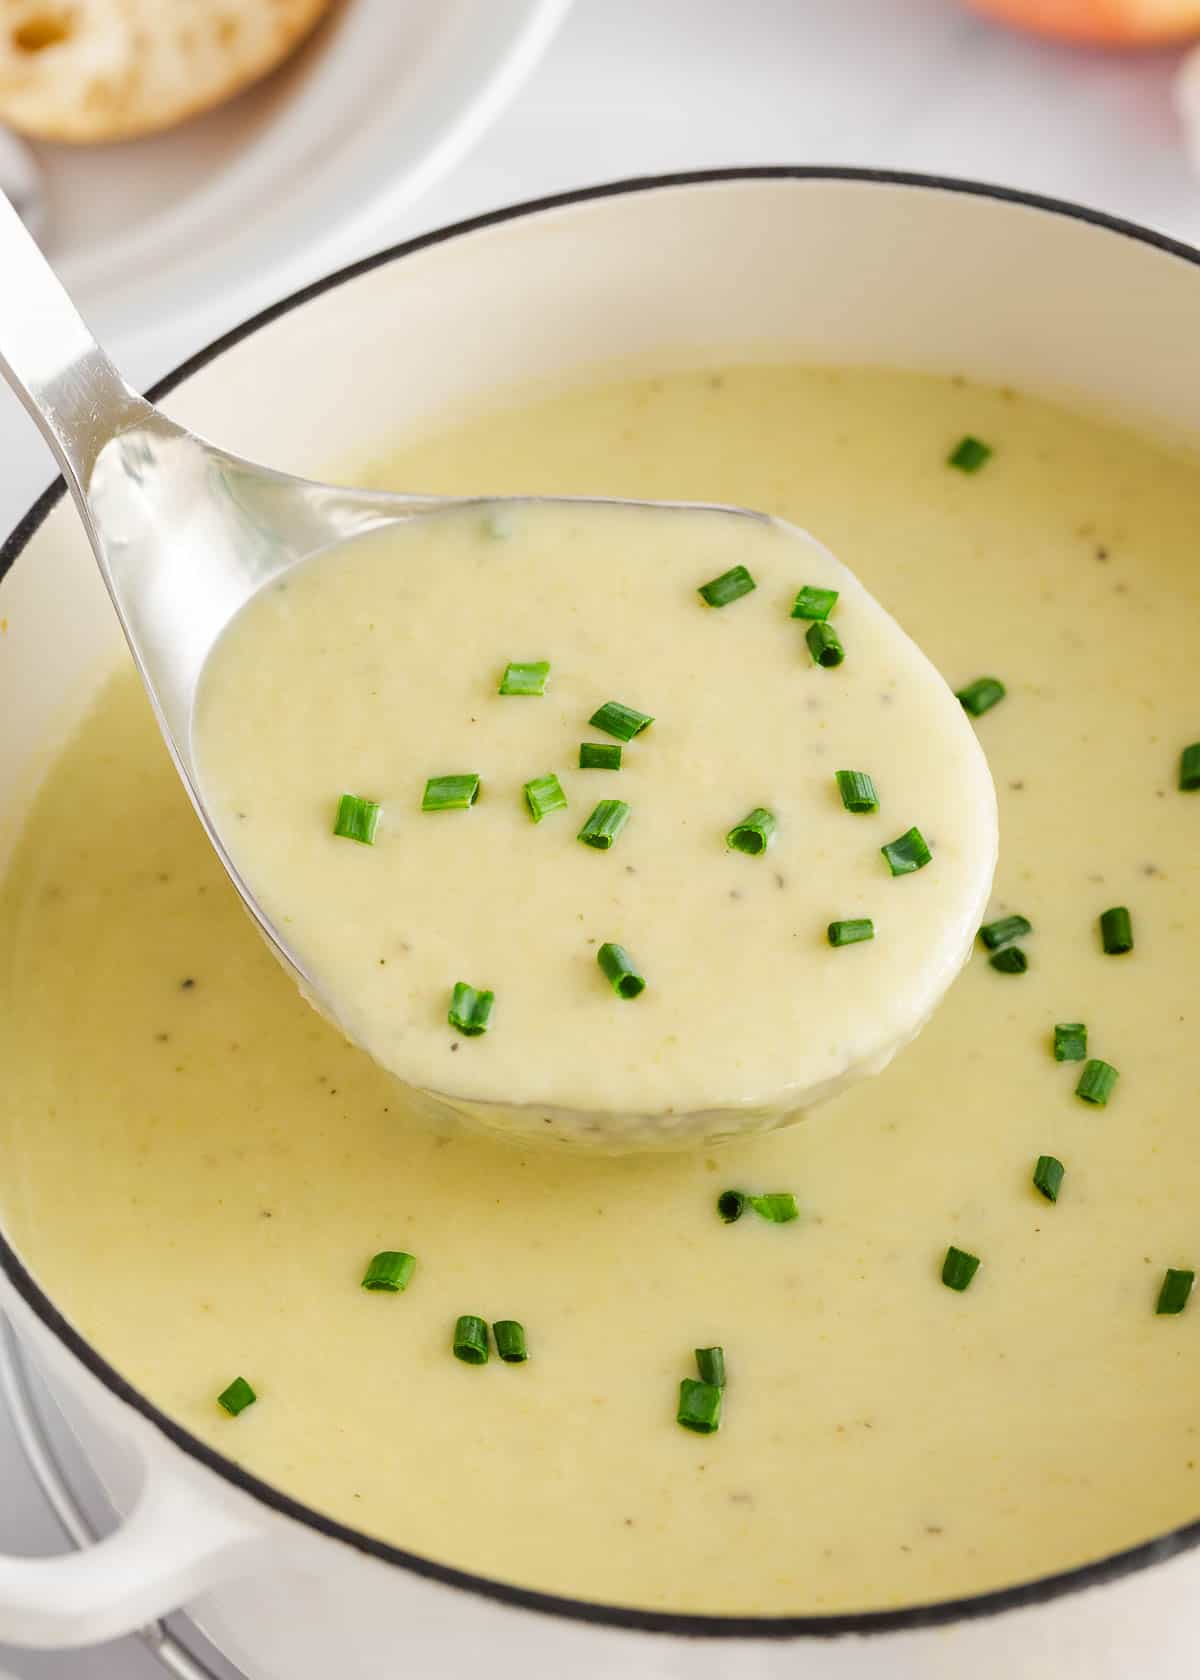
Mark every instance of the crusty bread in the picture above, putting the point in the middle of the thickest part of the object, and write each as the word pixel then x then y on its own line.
pixel 92 70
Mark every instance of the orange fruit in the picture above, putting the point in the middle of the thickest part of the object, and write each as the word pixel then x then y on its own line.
pixel 1113 23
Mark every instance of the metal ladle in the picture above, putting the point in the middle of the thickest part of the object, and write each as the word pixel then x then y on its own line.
pixel 185 533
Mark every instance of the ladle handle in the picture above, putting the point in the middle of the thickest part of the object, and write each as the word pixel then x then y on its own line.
pixel 62 376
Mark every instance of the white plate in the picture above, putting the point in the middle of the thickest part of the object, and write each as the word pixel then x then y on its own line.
pixel 248 199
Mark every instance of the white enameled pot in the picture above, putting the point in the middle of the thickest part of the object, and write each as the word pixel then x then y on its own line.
pixel 821 265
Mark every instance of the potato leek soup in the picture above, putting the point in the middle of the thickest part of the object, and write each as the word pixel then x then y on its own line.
pixel 635 923
pixel 202 1172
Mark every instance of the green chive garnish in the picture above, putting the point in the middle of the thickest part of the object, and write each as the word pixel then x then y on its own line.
pixel 1070 1041
pixel 1096 1082
pixel 1048 1176
pixel 620 970
pixel 857 790
pixel 908 853
pixel 604 824
pixel 731 1205
pixel 710 1362
pixel 1176 1287
pixel 525 677
pixel 981 695
pixel 730 586
pixel 237 1396
pixel 814 602
pixel 450 793
pixel 753 834
pixel 510 1341
pixel 958 1268
pixel 357 819
pixel 852 932
pixel 598 755
pixel 699 1406
pixel 824 644
pixel 471 1340
pixel 1011 960
pixel 1116 931
pixel 543 795
pixel 969 455
pixel 498 525
pixel 470 1011
pixel 390 1271
pixel 622 721
pixel 1003 932
pixel 1189 768
pixel 779 1207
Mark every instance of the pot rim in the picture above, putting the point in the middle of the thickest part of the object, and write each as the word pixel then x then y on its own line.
pixel 940 1613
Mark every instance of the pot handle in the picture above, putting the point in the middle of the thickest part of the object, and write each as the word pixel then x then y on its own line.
pixel 174 1544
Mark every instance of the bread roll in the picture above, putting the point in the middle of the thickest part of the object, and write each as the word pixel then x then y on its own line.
pixel 93 70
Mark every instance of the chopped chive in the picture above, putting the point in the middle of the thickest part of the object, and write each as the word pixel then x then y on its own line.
pixel 710 1362
pixel 604 824
pixel 852 932
pixel 525 677
pixel 470 1011
pixel 779 1207
pixel 731 1205
pixel 908 853
pixel 1189 768
pixel 1011 960
pixel 1004 931
pixel 543 795
pixel 753 834
pixel 357 819
pixel 857 790
pixel 824 644
pixel 699 1406
pixel 969 455
pixel 1096 1082
pixel 450 793
pixel 598 755
pixel 498 525
pixel 1176 1287
pixel 620 970
pixel 1070 1041
pixel 622 721
pixel 471 1340
pixel 391 1271
pixel 730 586
pixel 237 1396
pixel 1048 1176
pixel 510 1341
pixel 814 602
pixel 958 1268
pixel 1116 931
pixel 981 695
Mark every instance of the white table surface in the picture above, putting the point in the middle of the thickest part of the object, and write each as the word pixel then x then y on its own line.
pixel 640 86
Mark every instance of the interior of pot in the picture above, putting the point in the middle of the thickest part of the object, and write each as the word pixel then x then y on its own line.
pixel 808 268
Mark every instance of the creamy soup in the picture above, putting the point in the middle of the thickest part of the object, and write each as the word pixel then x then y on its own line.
pixel 456 670
pixel 199 1169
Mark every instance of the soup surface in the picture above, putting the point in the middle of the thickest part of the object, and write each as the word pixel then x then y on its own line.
pixel 198 1168
pixel 381 665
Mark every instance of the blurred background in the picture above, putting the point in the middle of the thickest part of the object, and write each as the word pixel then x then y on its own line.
pixel 187 162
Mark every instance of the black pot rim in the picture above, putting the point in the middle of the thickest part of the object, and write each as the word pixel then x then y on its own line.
pixel 858 1623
